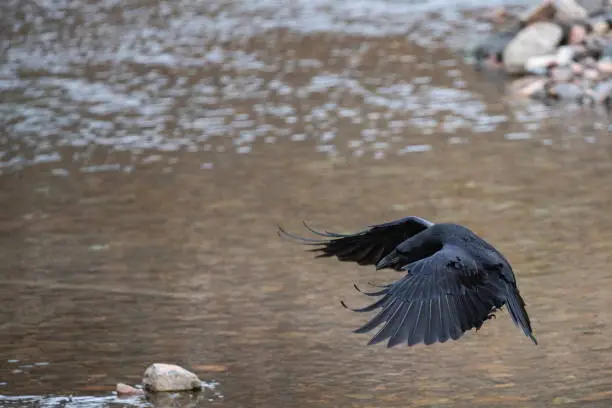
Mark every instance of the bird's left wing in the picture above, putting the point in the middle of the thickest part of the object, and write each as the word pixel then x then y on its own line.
pixel 365 247
pixel 439 298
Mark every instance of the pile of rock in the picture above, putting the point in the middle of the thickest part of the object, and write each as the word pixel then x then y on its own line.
pixel 562 49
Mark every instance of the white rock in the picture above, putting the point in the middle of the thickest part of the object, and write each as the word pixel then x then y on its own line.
pixel 528 86
pixel 565 55
pixel 538 39
pixel 169 377
pixel 539 64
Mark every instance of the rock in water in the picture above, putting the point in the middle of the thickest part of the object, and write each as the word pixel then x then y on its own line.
pixel 566 91
pixel 124 389
pixel 529 86
pixel 541 38
pixel 169 377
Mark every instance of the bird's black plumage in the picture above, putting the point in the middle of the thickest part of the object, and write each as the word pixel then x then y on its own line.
pixel 454 280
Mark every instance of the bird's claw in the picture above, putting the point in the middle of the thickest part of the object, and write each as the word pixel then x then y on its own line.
pixel 489 317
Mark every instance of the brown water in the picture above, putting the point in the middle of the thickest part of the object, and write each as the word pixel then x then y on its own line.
pixel 150 148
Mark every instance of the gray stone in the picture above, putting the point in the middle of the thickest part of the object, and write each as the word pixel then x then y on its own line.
pixel 602 92
pixel 600 26
pixel 568 10
pixel 566 91
pixel 538 39
pixel 593 6
pixel 561 74
pixel 169 377
pixel 541 12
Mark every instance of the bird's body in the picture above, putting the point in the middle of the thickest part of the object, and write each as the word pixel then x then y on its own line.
pixel 454 280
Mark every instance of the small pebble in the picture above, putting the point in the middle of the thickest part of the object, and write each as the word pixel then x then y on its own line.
pixel 577 34
pixel 605 66
pixel 591 74
pixel 577 68
pixel 529 86
pixel 539 64
pixel 602 92
pixel 561 74
pixel 566 91
pixel 124 389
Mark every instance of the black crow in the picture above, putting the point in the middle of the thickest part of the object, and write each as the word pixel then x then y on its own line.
pixel 454 280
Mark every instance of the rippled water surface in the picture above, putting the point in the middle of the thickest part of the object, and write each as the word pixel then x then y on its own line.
pixel 149 148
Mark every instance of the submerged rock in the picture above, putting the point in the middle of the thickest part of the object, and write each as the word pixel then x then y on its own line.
pixel 529 86
pixel 169 377
pixel 178 400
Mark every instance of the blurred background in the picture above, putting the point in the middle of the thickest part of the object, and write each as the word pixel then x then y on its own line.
pixel 148 150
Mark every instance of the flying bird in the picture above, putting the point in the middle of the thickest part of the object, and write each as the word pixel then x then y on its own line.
pixel 453 280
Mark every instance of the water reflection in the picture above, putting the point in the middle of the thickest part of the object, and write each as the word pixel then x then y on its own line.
pixel 149 149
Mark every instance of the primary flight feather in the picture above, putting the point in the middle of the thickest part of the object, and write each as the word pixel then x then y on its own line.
pixel 454 280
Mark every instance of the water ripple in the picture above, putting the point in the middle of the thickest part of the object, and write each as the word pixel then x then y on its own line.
pixel 219 78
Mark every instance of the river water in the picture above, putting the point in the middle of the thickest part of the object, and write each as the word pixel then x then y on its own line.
pixel 150 148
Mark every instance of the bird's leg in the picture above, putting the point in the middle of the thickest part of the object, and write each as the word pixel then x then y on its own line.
pixel 491 315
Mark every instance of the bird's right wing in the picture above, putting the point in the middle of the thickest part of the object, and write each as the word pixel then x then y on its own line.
pixel 440 298
pixel 368 246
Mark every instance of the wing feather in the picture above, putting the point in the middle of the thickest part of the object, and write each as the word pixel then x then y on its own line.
pixel 366 247
pixel 440 298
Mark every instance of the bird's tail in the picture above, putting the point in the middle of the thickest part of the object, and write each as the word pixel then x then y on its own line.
pixel 516 307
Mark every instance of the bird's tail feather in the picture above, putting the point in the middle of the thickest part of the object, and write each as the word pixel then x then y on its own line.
pixel 516 307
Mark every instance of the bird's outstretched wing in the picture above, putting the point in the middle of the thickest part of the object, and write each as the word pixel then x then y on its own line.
pixel 440 298
pixel 365 247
